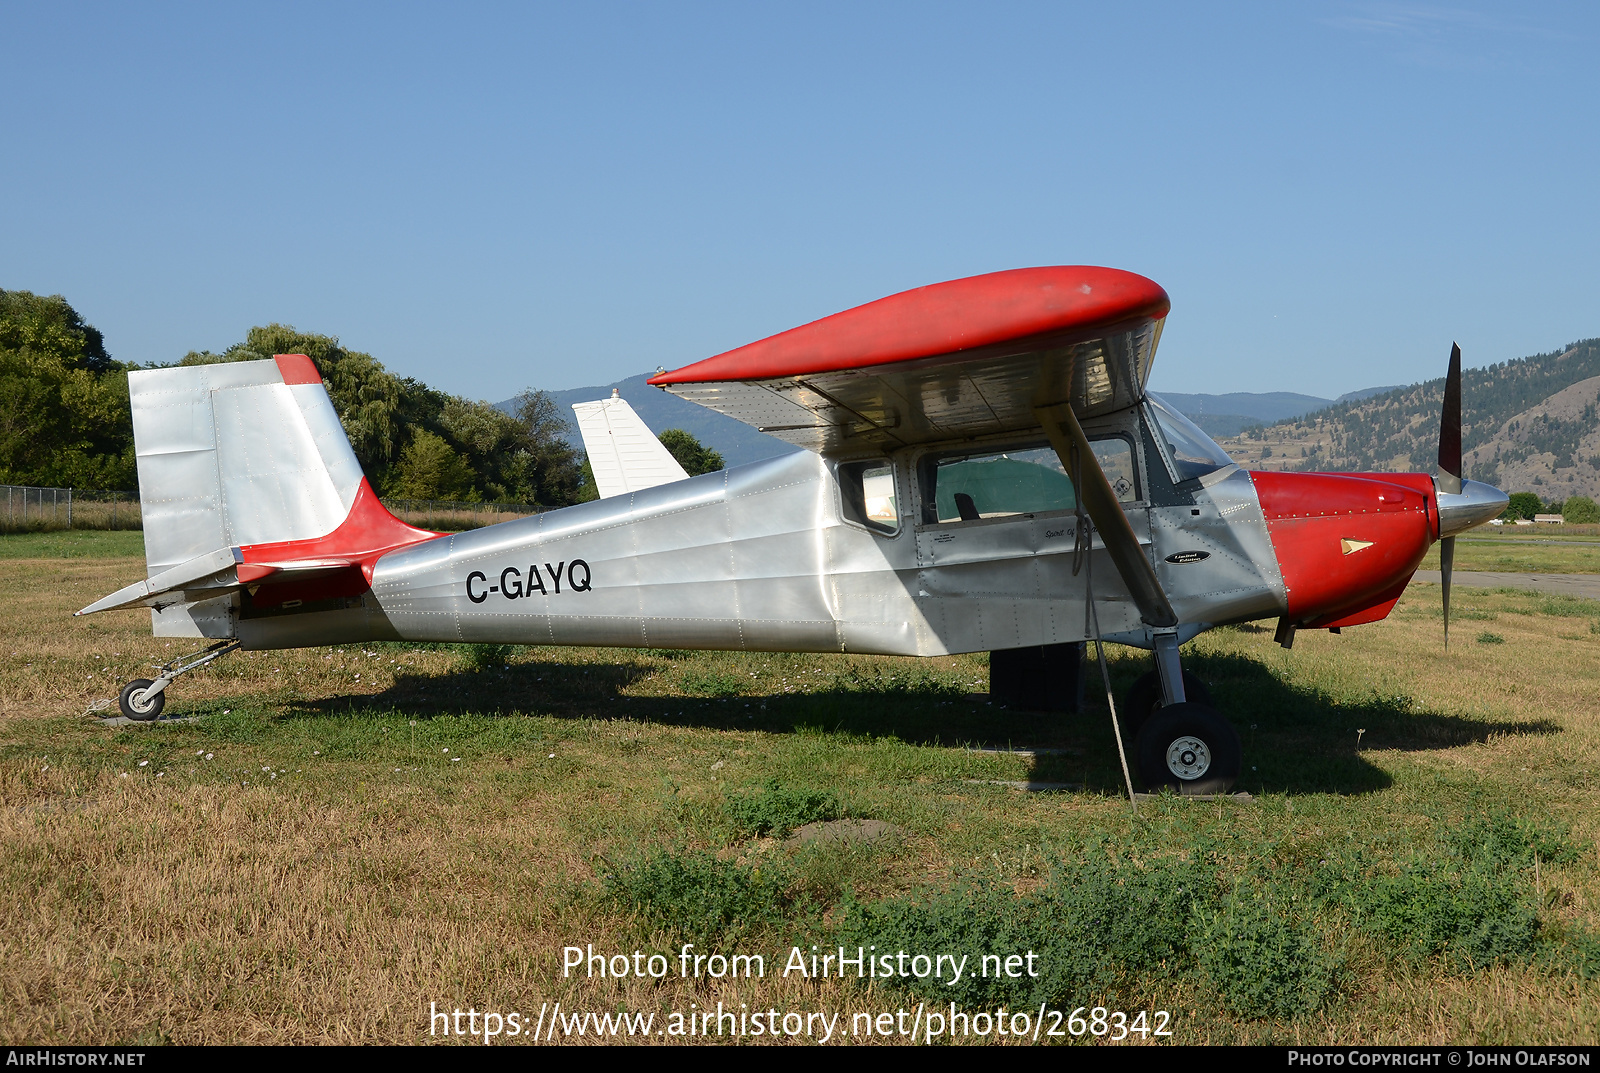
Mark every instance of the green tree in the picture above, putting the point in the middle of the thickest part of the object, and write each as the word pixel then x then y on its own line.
pixel 588 488
pixel 1580 510
pixel 1523 505
pixel 49 326
pixel 35 428
pixel 691 455
pixel 520 457
pixel 64 417
pixel 430 468
pixel 373 404
pixel 551 462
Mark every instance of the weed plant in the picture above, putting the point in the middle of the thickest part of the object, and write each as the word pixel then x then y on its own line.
pixel 775 809
pixel 706 900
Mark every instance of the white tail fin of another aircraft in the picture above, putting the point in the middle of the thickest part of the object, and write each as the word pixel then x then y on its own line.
pixel 624 454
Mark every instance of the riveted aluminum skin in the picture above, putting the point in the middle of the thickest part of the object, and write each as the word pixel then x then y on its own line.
pixel 733 559
pixel 229 454
pixel 1238 579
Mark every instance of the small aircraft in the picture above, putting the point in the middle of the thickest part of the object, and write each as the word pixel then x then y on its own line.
pixel 984 471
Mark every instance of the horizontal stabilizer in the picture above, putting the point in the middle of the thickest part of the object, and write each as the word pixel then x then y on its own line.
pixel 210 575
pixel 213 570
pixel 624 454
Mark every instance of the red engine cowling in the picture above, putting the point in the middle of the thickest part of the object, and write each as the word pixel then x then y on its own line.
pixel 1347 544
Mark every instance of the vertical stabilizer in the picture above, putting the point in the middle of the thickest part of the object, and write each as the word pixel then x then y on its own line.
pixel 247 452
pixel 245 475
pixel 624 454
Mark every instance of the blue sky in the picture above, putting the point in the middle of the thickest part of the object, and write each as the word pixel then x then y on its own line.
pixel 494 197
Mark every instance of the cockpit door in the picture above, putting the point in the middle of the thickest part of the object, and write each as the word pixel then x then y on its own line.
pixel 996 536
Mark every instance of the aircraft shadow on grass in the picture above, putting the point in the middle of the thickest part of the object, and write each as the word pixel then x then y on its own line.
pixel 1295 739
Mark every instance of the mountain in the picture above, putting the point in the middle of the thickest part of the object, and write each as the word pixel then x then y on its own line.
pixel 736 441
pixel 1531 425
pixel 1267 406
pixel 1551 448
pixel 1230 414
pixel 1364 393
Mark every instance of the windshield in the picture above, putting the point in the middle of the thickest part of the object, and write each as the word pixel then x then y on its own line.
pixel 1192 451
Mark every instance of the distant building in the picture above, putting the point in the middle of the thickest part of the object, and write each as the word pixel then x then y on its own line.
pixel 1548 519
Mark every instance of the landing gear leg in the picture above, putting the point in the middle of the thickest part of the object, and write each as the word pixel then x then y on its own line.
pixel 143 699
pixel 1169 668
pixel 1185 744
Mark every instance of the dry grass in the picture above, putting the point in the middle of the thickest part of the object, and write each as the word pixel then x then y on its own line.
pixel 380 827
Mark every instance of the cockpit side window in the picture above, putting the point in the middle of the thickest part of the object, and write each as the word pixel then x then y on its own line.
pixel 867 495
pixel 1116 459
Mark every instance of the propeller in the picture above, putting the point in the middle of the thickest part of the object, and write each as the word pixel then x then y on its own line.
pixel 1449 478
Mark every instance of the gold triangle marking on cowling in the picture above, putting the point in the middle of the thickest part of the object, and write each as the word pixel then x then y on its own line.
pixel 1354 545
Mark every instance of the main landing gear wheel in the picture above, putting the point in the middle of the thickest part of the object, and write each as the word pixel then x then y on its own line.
pixel 1145 698
pixel 138 704
pixel 1190 748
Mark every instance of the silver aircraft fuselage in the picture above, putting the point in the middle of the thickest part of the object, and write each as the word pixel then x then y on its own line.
pixel 763 557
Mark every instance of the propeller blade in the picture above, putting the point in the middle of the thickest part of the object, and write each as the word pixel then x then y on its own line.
pixel 1067 437
pixel 1447 561
pixel 1450 474
pixel 1450 427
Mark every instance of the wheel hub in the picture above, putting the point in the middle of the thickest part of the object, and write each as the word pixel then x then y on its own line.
pixel 1188 758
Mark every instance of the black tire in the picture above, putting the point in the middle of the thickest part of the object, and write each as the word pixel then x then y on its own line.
pixel 141 707
pixel 1145 698
pixel 1190 748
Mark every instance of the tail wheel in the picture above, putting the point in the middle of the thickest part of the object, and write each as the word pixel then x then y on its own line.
pixel 1190 748
pixel 137 702
pixel 1145 698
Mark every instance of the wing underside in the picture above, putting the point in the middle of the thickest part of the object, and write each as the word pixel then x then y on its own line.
pixel 945 398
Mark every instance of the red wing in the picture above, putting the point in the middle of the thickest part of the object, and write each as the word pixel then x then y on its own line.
pixel 962 358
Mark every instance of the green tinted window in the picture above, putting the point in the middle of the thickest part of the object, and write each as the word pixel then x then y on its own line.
pixel 995 485
pixel 1031 481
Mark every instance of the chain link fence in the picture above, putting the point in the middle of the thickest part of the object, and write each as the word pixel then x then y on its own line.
pixel 25 509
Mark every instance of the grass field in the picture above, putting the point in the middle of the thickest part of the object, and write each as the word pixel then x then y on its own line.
pixel 339 837
pixel 1548 555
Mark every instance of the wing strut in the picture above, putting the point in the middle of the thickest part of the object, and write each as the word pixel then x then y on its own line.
pixel 1067 437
